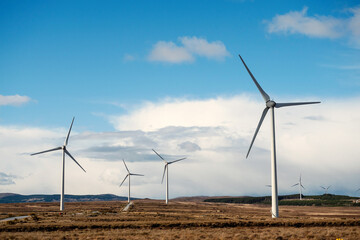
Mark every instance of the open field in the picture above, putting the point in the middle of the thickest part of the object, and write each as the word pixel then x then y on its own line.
pixel 152 219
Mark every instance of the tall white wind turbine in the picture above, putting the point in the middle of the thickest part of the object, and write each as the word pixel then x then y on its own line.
pixel 326 188
pixel 128 176
pixel 270 104
pixel 300 187
pixel 64 151
pixel 166 169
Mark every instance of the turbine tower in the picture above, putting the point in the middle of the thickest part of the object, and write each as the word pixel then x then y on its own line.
pixel 300 187
pixel 166 169
pixel 270 104
pixel 128 176
pixel 326 188
pixel 64 151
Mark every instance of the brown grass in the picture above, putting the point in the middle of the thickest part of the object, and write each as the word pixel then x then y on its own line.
pixel 152 219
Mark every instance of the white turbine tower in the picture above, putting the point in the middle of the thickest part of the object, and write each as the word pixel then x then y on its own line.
pixel 270 104
pixel 326 188
pixel 128 176
pixel 166 169
pixel 300 187
pixel 64 151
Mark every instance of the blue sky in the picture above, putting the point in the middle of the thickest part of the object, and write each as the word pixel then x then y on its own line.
pixel 108 62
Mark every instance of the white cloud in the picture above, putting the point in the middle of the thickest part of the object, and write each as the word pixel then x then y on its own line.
pixel 13 100
pixel 129 58
pixel 317 140
pixel 298 22
pixel 169 52
pixel 202 47
pixel 191 47
pixel 354 27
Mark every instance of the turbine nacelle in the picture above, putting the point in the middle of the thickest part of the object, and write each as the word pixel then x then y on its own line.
pixel 270 104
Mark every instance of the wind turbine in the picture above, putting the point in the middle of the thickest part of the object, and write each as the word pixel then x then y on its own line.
pixel 128 176
pixel 300 187
pixel 64 151
pixel 166 169
pixel 325 188
pixel 270 104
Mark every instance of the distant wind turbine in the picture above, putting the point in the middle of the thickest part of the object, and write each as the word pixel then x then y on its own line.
pixel 166 169
pixel 64 151
pixel 326 188
pixel 270 104
pixel 128 176
pixel 300 187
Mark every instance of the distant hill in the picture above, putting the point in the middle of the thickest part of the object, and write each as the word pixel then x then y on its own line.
pixel 316 200
pixel 18 198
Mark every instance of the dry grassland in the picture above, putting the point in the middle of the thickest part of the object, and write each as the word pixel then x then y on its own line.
pixel 152 219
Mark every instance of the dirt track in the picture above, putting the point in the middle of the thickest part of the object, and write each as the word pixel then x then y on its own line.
pixel 151 219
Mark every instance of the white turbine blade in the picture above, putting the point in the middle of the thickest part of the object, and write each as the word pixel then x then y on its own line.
pixel 67 152
pixel 302 186
pixel 123 180
pixel 50 150
pixel 177 160
pixel 263 93
pixel 295 185
pixel 279 105
pixel 67 137
pixel 162 180
pixel 268 185
pixel 328 187
pixel 257 129
pixel 126 167
pixel 159 155
pixel 323 187
pixel 135 174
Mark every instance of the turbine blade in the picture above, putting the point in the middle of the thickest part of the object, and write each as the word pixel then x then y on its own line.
pixel 257 129
pixel 67 137
pixel 295 185
pixel 177 160
pixel 162 180
pixel 322 187
pixel 123 180
pixel 135 174
pixel 67 152
pixel 263 93
pixel 358 190
pixel 279 105
pixel 268 185
pixel 126 167
pixel 159 155
pixel 50 150
pixel 302 186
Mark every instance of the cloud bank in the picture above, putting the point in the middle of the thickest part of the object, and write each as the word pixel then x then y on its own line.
pixel 318 141
pixel 298 22
pixel 190 48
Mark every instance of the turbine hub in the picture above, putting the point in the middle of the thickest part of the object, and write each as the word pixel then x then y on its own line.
pixel 270 104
